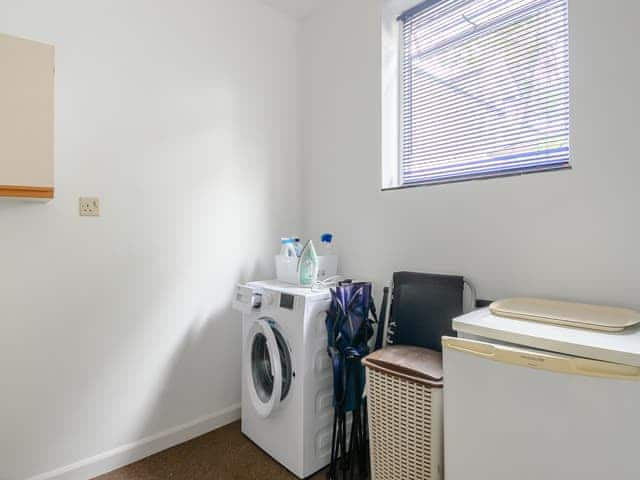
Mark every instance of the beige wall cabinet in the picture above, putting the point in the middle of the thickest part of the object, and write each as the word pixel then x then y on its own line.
pixel 26 118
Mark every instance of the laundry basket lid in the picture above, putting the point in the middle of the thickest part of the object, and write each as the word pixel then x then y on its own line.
pixel 579 315
pixel 412 363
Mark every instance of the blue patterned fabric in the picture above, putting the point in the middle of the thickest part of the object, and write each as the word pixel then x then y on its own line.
pixel 349 329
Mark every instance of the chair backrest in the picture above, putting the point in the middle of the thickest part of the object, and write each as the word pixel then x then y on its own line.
pixel 422 307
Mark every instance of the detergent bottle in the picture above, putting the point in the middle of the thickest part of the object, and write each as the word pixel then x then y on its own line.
pixel 297 244
pixel 326 244
pixel 287 248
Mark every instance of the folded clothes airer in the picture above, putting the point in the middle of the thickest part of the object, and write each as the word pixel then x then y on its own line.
pixel 349 329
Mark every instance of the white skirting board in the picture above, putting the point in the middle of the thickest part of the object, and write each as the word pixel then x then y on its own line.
pixel 132 452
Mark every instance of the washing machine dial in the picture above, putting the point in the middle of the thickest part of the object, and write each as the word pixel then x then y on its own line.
pixel 256 300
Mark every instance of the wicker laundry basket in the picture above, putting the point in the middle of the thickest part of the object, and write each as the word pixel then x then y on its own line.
pixel 405 413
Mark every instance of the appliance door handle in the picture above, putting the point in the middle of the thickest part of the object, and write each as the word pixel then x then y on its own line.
pixel 552 362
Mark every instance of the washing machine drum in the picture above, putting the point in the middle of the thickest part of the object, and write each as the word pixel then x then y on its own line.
pixel 270 369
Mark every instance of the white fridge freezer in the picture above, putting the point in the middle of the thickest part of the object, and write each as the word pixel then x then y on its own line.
pixel 515 410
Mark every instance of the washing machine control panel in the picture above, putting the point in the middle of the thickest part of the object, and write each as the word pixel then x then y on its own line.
pixel 247 299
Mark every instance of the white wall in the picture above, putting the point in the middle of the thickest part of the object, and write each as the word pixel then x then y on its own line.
pixel 571 234
pixel 182 117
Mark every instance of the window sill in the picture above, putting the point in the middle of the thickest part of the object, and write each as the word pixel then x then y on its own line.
pixel 479 177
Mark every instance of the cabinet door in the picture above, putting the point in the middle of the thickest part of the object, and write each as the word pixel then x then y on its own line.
pixel 26 118
pixel 515 413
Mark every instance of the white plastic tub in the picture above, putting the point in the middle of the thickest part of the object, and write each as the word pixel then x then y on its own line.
pixel 287 268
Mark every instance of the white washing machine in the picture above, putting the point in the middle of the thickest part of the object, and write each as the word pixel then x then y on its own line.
pixel 287 389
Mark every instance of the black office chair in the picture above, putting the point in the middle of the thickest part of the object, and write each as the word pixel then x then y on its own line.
pixel 422 307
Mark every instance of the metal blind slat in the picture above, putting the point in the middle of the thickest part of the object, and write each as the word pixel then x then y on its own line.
pixel 533 100
pixel 485 89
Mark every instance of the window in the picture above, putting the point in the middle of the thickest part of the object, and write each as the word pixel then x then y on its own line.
pixel 484 89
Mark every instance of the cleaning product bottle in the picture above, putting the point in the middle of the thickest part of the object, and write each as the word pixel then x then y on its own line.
pixel 297 245
pixel 327 247
pixel 308 265
pixel 328 259
pixel 287 249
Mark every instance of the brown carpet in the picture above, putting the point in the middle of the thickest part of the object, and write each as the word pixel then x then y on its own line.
pixel 224 454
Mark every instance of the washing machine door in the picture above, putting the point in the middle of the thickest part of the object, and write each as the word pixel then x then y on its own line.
pixel 270 370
